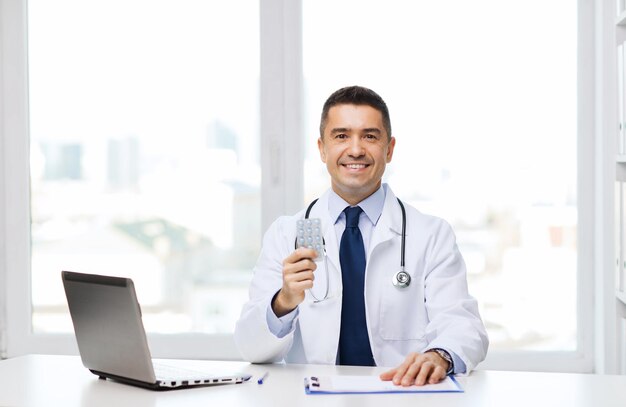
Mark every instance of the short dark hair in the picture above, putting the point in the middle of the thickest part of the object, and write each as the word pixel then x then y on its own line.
pixel 356 95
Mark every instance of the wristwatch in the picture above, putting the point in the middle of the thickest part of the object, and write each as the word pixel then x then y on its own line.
pixel 445 356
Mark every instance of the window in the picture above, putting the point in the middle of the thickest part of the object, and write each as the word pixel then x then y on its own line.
pixel 120 114
pixel 144 155
pixel 482 98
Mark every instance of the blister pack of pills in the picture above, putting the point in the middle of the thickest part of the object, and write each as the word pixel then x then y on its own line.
pixel 309 234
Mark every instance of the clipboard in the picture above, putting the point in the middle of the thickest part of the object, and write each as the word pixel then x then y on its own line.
pixel 373 384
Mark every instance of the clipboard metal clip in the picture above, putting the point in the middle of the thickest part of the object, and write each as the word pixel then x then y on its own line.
pixel 311 381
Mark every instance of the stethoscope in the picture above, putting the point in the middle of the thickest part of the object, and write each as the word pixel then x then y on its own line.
pixel 401 279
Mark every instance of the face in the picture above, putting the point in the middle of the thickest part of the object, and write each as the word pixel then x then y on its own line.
pixel 356 149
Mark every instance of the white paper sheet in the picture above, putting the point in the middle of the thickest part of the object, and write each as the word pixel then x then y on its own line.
pixel 373 384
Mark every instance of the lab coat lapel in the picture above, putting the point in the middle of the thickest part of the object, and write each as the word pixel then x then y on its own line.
pixel 390 223
pixel 388 228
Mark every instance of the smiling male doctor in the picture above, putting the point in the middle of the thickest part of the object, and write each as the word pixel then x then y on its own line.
pixel 424 330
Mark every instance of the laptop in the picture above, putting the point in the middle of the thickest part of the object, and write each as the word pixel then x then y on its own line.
pixel 112 340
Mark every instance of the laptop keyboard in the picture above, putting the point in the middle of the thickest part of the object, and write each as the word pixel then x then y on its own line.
pixel 168 373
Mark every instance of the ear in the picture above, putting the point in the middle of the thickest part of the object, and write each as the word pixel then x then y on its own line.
pixel 320 146
pixel 390 147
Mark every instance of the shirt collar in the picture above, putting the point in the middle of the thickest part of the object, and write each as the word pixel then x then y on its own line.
pixel 372 205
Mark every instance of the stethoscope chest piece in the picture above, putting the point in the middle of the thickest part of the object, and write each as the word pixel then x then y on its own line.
pixel 401 279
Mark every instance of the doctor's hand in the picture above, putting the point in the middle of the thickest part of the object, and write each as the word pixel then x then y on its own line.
pixel 418 369
pixel 298 270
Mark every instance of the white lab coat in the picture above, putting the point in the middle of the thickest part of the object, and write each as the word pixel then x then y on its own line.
pixel 434 311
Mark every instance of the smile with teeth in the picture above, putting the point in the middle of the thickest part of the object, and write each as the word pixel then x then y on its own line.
pixel 356 166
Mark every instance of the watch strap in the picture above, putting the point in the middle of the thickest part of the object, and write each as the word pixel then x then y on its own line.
pixel 445 355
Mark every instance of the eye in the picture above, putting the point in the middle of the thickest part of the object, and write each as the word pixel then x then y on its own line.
pixel 370 136
pixel 341 136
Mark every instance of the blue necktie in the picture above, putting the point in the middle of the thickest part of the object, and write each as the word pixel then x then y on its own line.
pixel 354 344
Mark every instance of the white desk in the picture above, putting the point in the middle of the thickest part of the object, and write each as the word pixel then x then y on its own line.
pixel 43 380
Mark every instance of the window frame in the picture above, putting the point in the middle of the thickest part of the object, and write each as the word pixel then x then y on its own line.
pixel 281 107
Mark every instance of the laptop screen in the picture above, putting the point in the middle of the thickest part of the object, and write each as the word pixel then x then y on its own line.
pixel 108 326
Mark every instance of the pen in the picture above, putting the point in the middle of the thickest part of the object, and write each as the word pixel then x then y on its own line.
pixel 262 379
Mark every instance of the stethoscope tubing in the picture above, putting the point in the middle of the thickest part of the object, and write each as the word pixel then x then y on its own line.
pixel 402 244
pixel 401 279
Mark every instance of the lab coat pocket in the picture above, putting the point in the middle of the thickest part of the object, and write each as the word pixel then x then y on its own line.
pixel 402 313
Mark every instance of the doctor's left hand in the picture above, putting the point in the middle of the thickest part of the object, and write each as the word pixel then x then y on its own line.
pixel 418 369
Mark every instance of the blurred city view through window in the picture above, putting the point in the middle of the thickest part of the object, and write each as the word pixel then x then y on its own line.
pixel 482 97
pixel 145 147
pixel 145 155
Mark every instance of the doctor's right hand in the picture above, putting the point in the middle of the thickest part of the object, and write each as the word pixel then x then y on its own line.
pixel 298 270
